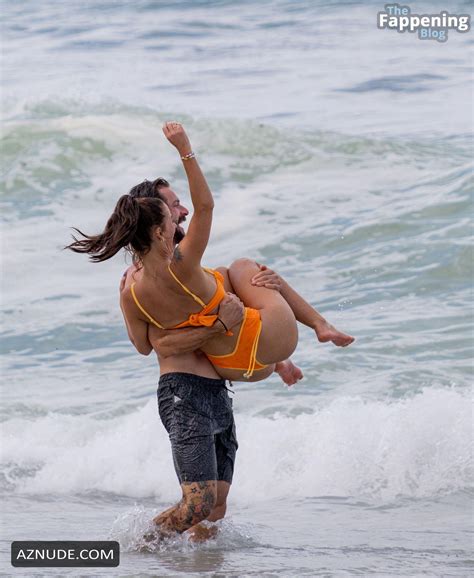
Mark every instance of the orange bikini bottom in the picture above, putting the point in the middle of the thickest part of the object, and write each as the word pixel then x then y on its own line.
pixel 244 356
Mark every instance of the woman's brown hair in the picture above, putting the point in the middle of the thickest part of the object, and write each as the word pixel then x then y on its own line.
pixel 130 226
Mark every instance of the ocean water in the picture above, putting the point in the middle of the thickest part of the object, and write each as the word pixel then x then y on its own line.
pixel 341 156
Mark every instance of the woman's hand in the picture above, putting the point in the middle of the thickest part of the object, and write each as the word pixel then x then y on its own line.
pixel 177 136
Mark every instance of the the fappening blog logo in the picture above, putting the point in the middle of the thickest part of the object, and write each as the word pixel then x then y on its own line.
pixel 429 26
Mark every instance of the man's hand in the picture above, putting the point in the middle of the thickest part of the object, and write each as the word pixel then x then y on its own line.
pixel 267 278
pixel 123 281
pixel 177 136
pixel 126 279
pixel 179 341
pixel 231 310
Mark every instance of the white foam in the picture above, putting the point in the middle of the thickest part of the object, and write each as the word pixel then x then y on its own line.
pixel 382 449
pixel 131 527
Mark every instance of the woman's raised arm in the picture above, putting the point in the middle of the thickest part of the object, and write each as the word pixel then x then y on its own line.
pixel 192 247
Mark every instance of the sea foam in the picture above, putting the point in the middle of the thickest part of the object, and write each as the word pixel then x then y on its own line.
pixel 416 447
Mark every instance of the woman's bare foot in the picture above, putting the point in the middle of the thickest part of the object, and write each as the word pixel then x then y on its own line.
pixel 200 533
pixel 288 371
pixel 326 332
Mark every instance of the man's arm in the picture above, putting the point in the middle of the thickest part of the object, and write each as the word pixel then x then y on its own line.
pixel 178 341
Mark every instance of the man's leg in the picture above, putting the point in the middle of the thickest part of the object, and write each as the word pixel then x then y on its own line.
pixel 158 520
pixel 197 414
pixel 185 408
pixel 226 446
pixel 200 532
pixel 220 507
pixel 197 503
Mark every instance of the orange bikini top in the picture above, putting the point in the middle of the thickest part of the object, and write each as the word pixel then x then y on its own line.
pixel 195 319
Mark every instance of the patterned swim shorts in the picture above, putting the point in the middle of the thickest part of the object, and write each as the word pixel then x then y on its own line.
pixel 197 414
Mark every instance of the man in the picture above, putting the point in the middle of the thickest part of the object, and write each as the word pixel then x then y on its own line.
pixel 201 500
pixel 200 420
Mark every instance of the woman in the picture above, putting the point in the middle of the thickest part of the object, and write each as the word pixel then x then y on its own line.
pixel 171 289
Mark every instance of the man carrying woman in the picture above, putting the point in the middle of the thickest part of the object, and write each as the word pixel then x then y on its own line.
pixel 203 336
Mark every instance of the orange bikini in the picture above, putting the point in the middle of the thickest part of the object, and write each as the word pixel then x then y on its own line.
pixel 244 355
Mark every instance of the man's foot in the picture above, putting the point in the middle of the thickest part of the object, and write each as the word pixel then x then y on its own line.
pixel 153 537
pixel 326 332
pixel 158 520
pixel 289 372
pixel 201 533
pixel 157 536
pixel 160 532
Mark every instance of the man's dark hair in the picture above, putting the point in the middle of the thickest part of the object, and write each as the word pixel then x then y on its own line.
pixel 150 189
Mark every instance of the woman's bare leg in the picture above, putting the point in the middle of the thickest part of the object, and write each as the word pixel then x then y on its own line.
pixel 224 271
pixel 279 335
pixel 307 315
pixel 287 370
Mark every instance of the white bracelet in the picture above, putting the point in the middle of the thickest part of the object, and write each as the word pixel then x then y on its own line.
pixel 189 156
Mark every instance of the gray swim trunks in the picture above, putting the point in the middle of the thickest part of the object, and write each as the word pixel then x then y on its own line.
pixel 197 414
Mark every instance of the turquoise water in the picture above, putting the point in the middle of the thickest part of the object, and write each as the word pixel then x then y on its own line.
pixel 341 156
